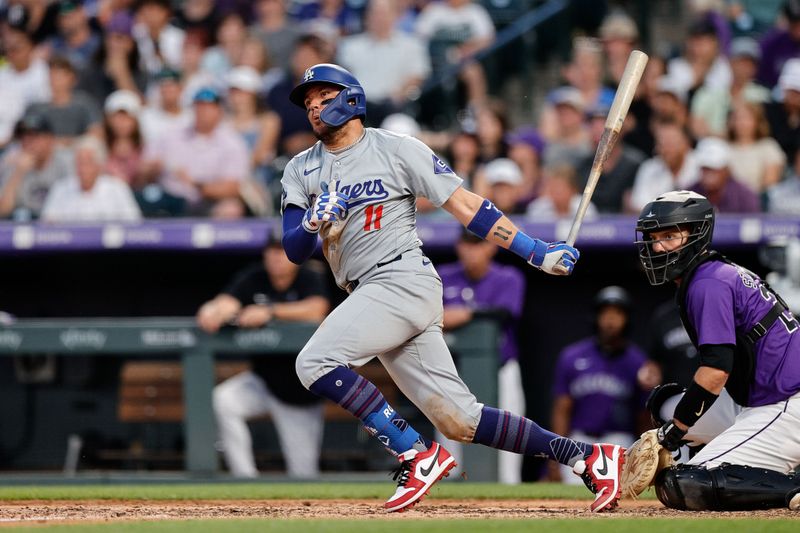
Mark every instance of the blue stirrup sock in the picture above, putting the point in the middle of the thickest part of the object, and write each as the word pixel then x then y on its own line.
pixel 363 399
pixel 513 433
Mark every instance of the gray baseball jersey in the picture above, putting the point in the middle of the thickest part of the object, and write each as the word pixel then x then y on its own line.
pixel 383 173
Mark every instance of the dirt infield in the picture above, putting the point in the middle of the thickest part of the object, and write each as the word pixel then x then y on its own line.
pixel 32 511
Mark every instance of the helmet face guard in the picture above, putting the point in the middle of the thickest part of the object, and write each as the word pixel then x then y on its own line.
pixel 350 103
pixel 342 108
pixel 677 211
pixel 661 267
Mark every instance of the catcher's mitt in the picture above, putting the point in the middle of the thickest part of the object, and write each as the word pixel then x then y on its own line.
pixel 643 460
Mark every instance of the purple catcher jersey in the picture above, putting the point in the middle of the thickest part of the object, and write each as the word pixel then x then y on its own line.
pixel 722 299
pixel 503 287
pixel 602 386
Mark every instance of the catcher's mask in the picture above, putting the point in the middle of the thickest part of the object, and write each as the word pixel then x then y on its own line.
pixel 350 103
pixel 678 210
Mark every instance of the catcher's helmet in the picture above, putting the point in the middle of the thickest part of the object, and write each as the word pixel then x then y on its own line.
pixel 348 104
pixel 674 210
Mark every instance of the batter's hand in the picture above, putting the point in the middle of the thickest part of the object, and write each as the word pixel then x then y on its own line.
pixel 329 206
pixel 557 258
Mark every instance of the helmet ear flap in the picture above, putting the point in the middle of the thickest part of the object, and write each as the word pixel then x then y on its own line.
pixel 350 102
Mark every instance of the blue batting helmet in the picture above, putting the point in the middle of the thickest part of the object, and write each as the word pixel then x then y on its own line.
pixel 350 103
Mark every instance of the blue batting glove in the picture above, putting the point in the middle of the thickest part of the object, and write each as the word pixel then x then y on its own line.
pixel 556 258
pixel 329 206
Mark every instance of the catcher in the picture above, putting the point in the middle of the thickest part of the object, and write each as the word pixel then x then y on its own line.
pixel 741 413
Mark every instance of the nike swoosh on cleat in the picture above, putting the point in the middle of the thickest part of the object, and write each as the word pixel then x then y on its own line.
pixel 307 172
pixel 603 471
pixel 426 471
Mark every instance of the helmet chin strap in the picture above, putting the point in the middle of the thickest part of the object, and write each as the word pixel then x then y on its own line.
pixel 337 111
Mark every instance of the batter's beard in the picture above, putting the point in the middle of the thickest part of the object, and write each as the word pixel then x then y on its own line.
pixel 328 134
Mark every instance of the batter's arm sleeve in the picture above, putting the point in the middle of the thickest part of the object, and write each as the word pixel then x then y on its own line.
pixel 298 243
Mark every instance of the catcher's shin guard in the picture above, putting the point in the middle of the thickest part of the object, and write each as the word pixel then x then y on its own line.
pixel 724 488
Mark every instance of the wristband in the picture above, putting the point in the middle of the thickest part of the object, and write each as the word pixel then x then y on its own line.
pixel 485 219
pixel 695 402
pixel 530 249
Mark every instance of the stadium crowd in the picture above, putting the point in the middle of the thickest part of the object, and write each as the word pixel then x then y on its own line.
pixel 189 103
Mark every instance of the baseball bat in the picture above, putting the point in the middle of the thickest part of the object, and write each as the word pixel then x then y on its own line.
pixel 616 116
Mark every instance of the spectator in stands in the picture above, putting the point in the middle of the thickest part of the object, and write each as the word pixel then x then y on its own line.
pixel 333 17
pixel 71 113
pixel 703 63
pixel 203 164
pixel 641 134
pixel 670 102
pixel 784 197
pixel 76 40
pixel 23 73
pixel 456 30
pixel 165 112
pixel 504 180
pixel 784 116
pixel 560 196
pixel 278 32
pixel 669 346
pixel 757 157
pixel 710 107
pixel 525 148
pixel 619 36
pixel 193 76
pixel 160 43
pixel 230 37
pixel 274 289
pixel 255 55
pixel 29 169
pixel 202 16
pixel 390 65
pixel 296 134
pixel 569 142
pixel 596 388
pixel 87 194
pixel 717 182
pixel 123 137
pixel 115 66
pixel 584 77
pixel 464 156
pixel 491 127
pixel 619 169
pixel 673 167
pixel 476 286
pixel 780 45
pixel 258 127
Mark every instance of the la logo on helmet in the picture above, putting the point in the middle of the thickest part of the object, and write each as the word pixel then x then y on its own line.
pixel 309 75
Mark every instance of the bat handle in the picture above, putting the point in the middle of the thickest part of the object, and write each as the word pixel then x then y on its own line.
pixel 579 215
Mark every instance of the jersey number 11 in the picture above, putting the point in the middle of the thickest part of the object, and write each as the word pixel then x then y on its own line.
pixel 372 217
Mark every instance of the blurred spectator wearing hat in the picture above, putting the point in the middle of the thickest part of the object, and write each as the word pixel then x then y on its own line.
pixel 115 66
pixel 159 42
pixel 478 287
pixel 277 30
pixel 569 141
pixel 780 45
pixel 504 181
pixel 756 157
pixel 702 63
pixel 619 35
pixel 710 107
pixel 784 115
pixel 273 289
pixel 123 136
pixel 30 167
pixel 203 164
pixel 619 169
pixel 526 147
pixel 670 102
pixel 165 112
pixel 70 112
pixel 391 65
pixel 22 73
pixel 87 193
pixel 37 18
pixel 76 40
pixel 259 127
pixel 717 183
pixel 672 167
pixel 560 196
pixel 597 391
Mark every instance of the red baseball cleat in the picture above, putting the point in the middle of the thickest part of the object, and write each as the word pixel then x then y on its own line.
pixel 417 473
pixel 601 472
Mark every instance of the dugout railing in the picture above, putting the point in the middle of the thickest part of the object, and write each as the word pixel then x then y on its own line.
pixel 476 345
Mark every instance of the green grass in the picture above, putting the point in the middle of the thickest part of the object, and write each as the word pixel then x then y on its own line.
pixel 286 490
pixel 598 525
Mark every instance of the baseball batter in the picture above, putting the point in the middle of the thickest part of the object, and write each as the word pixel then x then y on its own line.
pixel 744 401
pixel 357 188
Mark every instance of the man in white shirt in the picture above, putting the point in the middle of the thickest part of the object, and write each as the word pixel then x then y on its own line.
pixel 23 73
pixel 89 195
pixel 160 43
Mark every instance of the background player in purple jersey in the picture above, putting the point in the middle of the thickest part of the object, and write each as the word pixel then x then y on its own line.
pixel 744 400
pixel 357 188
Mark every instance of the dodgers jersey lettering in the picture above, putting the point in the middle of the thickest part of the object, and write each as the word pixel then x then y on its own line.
pixel 382 173
pixel 723 299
